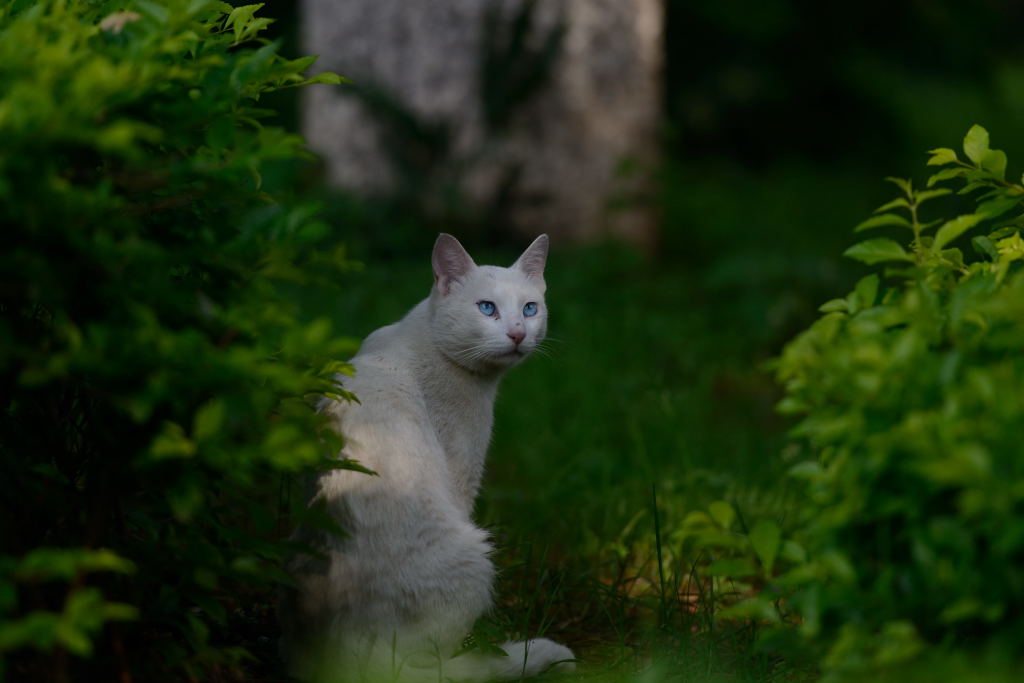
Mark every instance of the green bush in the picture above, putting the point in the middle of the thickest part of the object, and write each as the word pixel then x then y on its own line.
pixel 911 392
pixel 161 327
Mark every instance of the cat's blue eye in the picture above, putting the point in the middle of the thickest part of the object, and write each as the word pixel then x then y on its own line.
pixel 530 309
pixel 487 307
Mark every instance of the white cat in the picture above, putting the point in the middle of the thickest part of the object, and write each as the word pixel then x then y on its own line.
pixel 394 599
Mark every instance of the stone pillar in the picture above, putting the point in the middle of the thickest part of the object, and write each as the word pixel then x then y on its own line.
pixel 585 144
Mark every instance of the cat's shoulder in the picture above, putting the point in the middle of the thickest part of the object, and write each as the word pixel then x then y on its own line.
pixel 393 340
pixel 383 378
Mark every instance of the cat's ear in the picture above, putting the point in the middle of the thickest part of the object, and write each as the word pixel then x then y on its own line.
pixel 533 259
pixel 451 262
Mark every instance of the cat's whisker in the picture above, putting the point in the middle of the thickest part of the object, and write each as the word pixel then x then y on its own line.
pixel 544 350
pixel 473 352
pixel 472 348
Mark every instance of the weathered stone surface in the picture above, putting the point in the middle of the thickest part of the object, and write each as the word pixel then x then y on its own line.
pixel 597 114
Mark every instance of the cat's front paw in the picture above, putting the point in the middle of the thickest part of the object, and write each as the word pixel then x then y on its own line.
pixel 560 657
pixel 536 656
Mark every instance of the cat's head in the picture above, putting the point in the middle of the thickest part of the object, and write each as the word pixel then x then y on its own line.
pixel 487 318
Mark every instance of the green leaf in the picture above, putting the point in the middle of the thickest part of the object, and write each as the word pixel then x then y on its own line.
pixel 924 196
pixel 697 519
pixel 333 367
pixel 1011 248
pixel 300 64
pixel 351 465
pixel 328 78
pixel 196 631
pixel 37 629
pixel 941 156
pixel 837 565
pixel 904 184
pixel 883 220
pixel 718 539
pixel 65 563
pixel 984 246
pixel 732 567
pixel 793 552
pixel 766 538
pixel 83 614
pixel 240 17
pixel 723 513
pixel 834 305
pixel 946 174
pixel 897 203
pixel 950 230
pixel 808 469
pixel 794 406
pixel 900 643
pixel 153 10
pixel 171 442
pixel 1005 231
pixel 876 251
pixel 752 608
pixel 976 144
pixel 994 162
pixel 973 186
pixel 954 256
pixel 997 206
pixel 964 608
pixel 866 290
pixel 208 420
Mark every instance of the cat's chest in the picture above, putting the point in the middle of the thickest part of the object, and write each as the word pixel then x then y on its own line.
pixel 464 434
pixel 462 418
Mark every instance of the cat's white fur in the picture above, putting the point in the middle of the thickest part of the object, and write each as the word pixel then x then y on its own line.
pixel 396 597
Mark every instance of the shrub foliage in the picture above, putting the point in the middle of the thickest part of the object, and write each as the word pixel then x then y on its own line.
pixel 910 392
pixel 158 336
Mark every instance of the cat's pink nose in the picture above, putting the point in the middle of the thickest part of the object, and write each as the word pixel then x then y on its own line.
pixel 517 336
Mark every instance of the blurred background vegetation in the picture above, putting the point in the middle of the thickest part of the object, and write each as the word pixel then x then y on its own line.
pixel 650 407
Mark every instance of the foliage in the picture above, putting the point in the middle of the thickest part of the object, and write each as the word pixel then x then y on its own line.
pixel 158 333
pixel 909 390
